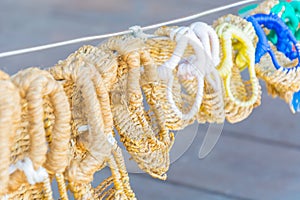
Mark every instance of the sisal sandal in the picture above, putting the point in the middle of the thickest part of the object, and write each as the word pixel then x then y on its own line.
pixel 238 53
pixel 10 116
pixel 42 99
pixel 93 144
pixel 277 65
pixel 149 147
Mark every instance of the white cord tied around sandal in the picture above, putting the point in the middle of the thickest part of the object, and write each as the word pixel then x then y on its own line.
pixel 165 71
pixel 5 197
pixel 184 36
pixel 209 39
pixel 33 176
pixel 211 44
pixel 185 69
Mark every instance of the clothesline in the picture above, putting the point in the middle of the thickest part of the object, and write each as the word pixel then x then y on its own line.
pixel 98 37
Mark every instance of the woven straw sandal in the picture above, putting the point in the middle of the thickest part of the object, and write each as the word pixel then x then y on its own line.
pixel 212 107
pixel 10 116
pixel 47 107
pixel 237 37
pixel 106 63
pixel 153 89
pixel 189 69
pixel 92 143
pixel 277 65
pixel 178 98
pixel 148 146
pixel 42 99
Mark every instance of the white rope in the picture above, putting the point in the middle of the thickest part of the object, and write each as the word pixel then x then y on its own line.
pixel 183 36
pixel 83 128
pixel 209 40
pixel 5 197
pixel 98 37
pixel 211 44
pixel 165 71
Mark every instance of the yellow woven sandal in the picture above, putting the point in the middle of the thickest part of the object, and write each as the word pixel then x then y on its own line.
pixel 237 38
pixel 10 116
pixel 148 146
pixel 93 145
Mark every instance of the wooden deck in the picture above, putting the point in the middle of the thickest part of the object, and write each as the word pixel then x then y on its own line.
pixel 256 159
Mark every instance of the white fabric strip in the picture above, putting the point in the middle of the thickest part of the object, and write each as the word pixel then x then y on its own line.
pixel 32 176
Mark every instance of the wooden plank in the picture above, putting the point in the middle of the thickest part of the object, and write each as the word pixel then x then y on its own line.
pixel 242 168
pixel 272 121
pixel 147 188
